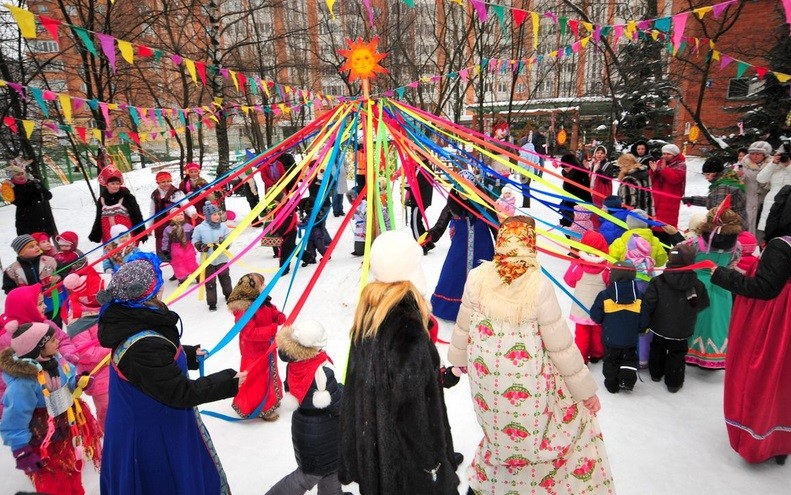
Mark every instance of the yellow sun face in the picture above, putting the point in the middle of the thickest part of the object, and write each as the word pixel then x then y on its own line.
pixel 362 59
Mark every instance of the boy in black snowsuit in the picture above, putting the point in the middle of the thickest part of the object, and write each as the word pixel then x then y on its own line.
pixel 617 309
pixel 671 305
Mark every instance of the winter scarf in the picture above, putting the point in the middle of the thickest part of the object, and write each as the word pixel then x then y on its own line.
pixel 728 178
pixel 300 374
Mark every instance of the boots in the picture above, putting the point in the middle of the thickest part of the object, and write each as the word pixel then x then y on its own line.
pixel 781 459
pixel 359 248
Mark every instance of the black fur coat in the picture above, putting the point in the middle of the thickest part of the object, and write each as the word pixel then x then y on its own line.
pixel 395 436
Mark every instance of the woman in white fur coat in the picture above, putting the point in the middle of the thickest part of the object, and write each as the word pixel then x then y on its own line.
pixel 534 398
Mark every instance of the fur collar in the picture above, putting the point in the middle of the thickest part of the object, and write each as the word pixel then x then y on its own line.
pixel 514 303
pixel 19 368
pixel 287 344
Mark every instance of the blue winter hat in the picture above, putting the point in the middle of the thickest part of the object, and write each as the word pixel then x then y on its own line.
pixel 210 209
pixel 613 202
pixel 138 280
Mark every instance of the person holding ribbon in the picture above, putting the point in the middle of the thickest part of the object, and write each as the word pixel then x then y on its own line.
pixel 155 440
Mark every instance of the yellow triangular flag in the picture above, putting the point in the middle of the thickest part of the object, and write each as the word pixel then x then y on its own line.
pixel 588 26
pixel 65 105
pixel 245 109
pixel 782 77
pixel 127 51
pixel 214 118
pixel 535 20
pixel 711 45
pixel 703 11
pixel 654 34
pixel 233 78
pixel 29 126
pixel 25 20
pixel 715 55
pixel 630 29
pixel 97 134
pixel 191 70
pixel 217 103
pixel 143 137
pixel 112 106
pixel 330 3
pixel 584 41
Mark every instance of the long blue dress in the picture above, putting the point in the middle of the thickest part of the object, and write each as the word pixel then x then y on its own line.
pixel 465 253
pixel 151 448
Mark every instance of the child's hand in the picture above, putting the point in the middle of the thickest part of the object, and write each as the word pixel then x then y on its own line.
pixel 592 404
pixel 200 352
pixel 27 460
pixel 281 318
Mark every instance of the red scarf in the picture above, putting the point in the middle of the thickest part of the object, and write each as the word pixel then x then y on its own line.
pixel 300 374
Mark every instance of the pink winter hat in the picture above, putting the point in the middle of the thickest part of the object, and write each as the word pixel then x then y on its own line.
pixel 638 251
pixel 748 242
pixel 582 220
pixel 28 339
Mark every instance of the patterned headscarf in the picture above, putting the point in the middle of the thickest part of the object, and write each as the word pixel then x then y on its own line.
pixel 515 248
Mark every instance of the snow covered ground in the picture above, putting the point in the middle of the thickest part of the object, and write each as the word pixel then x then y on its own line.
pixel 658 443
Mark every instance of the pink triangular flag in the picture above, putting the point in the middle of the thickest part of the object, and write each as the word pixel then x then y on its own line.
pixel 481 8
pixel 107 43
pixel 679 22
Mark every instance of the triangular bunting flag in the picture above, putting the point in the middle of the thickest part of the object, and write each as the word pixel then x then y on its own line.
pixel 190 64
pixel 29 127
pixel 51 25
pixel 519 17
pixel 107 43
pixel 536 22
pixel 65 107
pixel 741 67
pixel 86 39
pixel 127 51
pixel 761 72
pixel 25 19
pixel 481 8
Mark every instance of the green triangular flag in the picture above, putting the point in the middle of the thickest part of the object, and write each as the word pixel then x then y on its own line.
pixel 662 24
pixel 85 38
pixel 563 23
pixel 741 67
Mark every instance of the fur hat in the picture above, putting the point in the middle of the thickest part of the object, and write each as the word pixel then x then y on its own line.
pixel 395 257
pixel 163 176
pixel 210 209
pixel 713 165
pixel 244 292
pixel 722 220
pixel 28 339
pixel 636 219
pixel 40 236
pixel 118 230
pixel 672 149
pixel 515 191
pixel 68 237
pixel 628 161
pixel 696 220
pixel 681 255
pixel 311 333
pixel 613 202
pixel 19 243
pixel 191 166
pixel 138 280
pixel 13 170
pixel 760 147
pixel 748 242
pixel 622 270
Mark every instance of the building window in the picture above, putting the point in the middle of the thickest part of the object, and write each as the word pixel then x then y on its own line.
pixel 520 88
pixel 43 46
pixel 744 87
pixel 502 87
pixel 54 66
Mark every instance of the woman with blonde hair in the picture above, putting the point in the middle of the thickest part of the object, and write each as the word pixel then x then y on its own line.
pixel 533 396
pixel 635 188
pixel 395 436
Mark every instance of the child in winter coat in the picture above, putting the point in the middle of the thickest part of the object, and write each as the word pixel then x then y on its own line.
pixel 670 308
pixel 84 329
pixel 311 383
pixel 506 203
pixel 588 276
pixel 255 339
pixel 583 220
pixel 45 243
pixel 38 417
pixel 638 224
pixel 177 246
pixel 31 265
pixel 69 258
pixel 112 263
pixel 617 309
pixel 207 237
pixel 749 261
pixel 638 252
pixel 611 231
pixel 318 234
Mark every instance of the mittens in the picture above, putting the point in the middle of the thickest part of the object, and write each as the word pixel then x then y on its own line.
pixel 27 460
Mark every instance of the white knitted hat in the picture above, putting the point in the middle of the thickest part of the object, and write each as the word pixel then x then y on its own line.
pixel 396 257
pixel 310 333
pixel 671 148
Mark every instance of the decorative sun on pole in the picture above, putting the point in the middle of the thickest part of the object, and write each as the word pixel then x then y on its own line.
pixel 362 60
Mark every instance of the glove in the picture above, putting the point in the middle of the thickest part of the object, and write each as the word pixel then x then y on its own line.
pixel 27 460
pixel 143 239
pixel 687 200
pixel 449 379
pixel 165 255
pixel 201 247
pixel 281 318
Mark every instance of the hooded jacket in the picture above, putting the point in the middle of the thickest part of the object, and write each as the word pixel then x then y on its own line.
pixel 149 364
pixel 617 309
pixel 671 304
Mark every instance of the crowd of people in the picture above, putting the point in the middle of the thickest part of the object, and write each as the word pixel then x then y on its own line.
pixel 644 296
